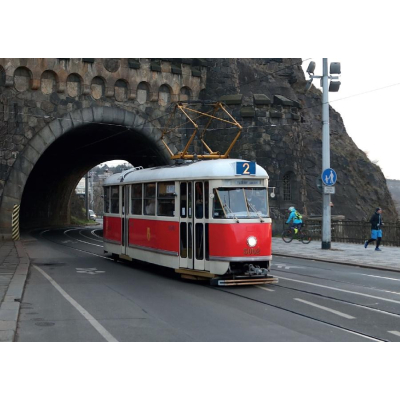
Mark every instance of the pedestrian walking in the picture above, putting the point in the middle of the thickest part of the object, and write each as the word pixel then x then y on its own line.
pixel 376 231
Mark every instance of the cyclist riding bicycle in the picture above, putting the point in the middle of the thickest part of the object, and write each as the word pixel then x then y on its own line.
pixel 297 219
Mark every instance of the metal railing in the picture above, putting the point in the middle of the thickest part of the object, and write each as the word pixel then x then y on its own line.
pixel 347 231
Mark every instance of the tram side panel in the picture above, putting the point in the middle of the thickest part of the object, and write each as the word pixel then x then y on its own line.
pixel 152 234
pixel 112 229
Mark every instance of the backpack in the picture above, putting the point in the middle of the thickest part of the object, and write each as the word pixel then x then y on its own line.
pixel 298 215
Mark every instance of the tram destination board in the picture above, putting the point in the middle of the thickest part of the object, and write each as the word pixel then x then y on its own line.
pixel 245 168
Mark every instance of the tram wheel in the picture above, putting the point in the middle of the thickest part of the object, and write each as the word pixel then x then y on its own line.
pixel 287 235
pixel 115 257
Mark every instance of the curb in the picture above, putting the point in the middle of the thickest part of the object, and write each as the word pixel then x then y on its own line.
pixel 339 262
pixel 11 304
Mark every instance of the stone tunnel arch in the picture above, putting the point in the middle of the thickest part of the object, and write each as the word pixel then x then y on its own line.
pixel 44 176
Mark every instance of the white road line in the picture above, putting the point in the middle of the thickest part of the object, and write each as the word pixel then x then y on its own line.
pixel 264 288
pixel 96 325
pixel 92 244
pixel 341 290
pixel 326 309
pixel 93 233
pixel 382 277
pixel 397 333
pixel 96 240
pixel 82 241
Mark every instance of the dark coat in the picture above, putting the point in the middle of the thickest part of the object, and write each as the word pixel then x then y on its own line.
pixel 376 221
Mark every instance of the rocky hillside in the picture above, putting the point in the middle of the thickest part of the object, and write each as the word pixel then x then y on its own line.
pixel 394 188
pixel 282 132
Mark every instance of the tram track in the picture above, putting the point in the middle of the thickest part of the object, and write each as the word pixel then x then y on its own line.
pixel 338 300
pixel 353 331
pixel 263 302
pixel 335 280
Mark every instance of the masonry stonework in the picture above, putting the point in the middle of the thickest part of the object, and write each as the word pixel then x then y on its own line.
pixel 74 113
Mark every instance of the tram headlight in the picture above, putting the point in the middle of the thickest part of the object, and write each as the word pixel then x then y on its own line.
pixel 251 241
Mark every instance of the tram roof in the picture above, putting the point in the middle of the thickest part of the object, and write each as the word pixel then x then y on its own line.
pixel 203 169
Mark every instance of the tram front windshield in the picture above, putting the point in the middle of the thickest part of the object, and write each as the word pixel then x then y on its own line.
pixel 240 203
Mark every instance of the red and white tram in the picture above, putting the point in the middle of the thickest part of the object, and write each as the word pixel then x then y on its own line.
pixel 206 219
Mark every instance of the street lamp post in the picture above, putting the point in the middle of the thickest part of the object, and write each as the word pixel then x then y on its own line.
pixel 326 153
pixel 326 158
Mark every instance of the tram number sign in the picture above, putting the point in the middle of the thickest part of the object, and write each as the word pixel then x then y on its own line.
pixel 245 168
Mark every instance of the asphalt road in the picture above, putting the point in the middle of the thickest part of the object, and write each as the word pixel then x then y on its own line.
pixel 76 293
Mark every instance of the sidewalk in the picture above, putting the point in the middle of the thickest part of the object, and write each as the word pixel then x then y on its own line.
pixel 342 253
pixel 14 264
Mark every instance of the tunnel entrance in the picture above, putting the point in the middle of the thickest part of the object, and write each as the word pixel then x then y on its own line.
pixel 47 193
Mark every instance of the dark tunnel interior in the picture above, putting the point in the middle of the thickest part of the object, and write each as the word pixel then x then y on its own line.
pixel 47 193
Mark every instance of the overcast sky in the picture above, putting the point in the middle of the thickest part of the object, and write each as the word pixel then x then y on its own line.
pixel 368 101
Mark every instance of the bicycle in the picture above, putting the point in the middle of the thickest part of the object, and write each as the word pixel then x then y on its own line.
pixel 302 234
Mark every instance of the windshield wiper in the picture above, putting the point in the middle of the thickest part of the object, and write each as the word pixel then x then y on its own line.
pixel 230 212
pixel 254 210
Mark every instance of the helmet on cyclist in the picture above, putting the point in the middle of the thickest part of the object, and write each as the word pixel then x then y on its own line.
pixel 291 208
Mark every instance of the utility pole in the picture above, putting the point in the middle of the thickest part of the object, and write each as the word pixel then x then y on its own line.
pixel 328 175
pixel 326 158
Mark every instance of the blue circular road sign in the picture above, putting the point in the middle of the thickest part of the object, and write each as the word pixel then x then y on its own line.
pixel 329 177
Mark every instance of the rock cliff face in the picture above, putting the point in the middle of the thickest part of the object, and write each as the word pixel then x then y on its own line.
pixel 394 188
pixel 282 132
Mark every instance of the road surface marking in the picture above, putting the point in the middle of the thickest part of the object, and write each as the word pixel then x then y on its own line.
pixel 92 244
pixel 341 290
pixel 96 325
pixel 326 309
pixel 95 234
pixel 382 277
pixel 264 288
pixel 397 333
pixel 82 241
pixel 86 237
pixel 91 271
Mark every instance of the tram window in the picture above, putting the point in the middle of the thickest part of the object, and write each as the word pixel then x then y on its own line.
pixel 199 241
pixel 137 202
pixel 207 257
pixel 166 199
pixel 190 241
pixel 115 200
pixel 206 197
pixel 183 205
pixel 150 199
pixel 218 211
pixel 183 240
pixel 189 200
pixel 199 199
pixel 106 199
pixel 240 202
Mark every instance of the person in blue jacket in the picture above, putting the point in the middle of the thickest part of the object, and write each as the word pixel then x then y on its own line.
pixel 297 219
pixel 376 231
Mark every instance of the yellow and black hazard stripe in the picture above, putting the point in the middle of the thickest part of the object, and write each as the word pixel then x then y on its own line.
pixel 15 222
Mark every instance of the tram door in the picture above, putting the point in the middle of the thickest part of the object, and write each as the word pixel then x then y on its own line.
pixel 192 224
pixel 125 219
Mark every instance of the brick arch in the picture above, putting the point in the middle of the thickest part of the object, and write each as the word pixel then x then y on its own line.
pixel 2 76
pixel 22 79
pixel 48 82
pixel 185 93
pixel 74 85
pixel 37 146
